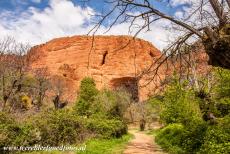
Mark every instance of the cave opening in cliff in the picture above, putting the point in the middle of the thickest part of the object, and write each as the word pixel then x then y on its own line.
pixel 151 54
pixel 104 57
pixel 129 84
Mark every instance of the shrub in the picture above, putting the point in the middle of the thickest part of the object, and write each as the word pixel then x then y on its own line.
pixel 13 133
pixel 217 138
pixel 106 128
pixel 58 127
pixel 222 87
pixel 171 138
pixel 179 105
pixel 26 102
pixel 87 95
pixel 194 136
pixel 223 107
pixel 111 103
pixel 177 138
pixel 6 122
pixel 88 89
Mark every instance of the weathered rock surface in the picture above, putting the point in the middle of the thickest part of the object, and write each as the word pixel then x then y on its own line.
pixel 113 61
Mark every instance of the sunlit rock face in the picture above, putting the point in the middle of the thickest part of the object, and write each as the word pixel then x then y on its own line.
pixel 112 61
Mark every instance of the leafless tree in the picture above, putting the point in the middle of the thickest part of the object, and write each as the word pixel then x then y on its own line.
pixel 206 20
pixel 42 85
pixel 58 90
pixel 13 66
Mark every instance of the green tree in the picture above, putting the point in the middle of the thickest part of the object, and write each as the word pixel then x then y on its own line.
pixel 88 92
pixel 221 92
pixel 179 104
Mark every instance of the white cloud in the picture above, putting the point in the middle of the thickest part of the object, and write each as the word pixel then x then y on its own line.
pixel 158 35
pixel 179 14
pixel 60 19
pixel 63 18
pixel 36 1
pixel 180 2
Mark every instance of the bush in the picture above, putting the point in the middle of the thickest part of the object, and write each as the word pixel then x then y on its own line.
pixel 88 89
pixel 194 136
pixel 203 116
pixel 26 102
pixel 217 138
pixel 58 127
pixel 106 128
pixel 171 138
pixel 55 127
pixel 13 133
pixel 179 105
pixel 87 95
pixel 111 103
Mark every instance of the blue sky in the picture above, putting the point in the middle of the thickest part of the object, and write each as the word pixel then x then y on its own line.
pixel 22 5
pixel 37 21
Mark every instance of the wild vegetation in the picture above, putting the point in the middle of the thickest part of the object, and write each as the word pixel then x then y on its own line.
pixel 90 118
pixel 195 121
pixel 194 110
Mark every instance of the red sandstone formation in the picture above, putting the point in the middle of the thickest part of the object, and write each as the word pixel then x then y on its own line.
pixel 112 61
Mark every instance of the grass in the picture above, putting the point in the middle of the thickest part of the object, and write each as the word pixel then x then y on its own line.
pixel 108 146
pixel 152 132
pixel 99 146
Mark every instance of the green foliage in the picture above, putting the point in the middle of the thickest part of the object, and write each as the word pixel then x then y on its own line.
pixel 217 138
pixel 107 146
pixel 99 115
pixel 183 112
pixel 106 128
pixel 223 84
pixel 194 136
pixel 13 133
pixel 88 92
pixel 59 127
pixel 171 138
pixel 111 103
pixel 103 111
pixel 53 128
pixel 82 107
pixel 5 118
pixel 177 138
pixel 222 92
pixel 155 104
pixel 179 105
pixel 88 89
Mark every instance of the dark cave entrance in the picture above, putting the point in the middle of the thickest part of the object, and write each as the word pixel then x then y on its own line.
pixel 129 84
pixel 104 57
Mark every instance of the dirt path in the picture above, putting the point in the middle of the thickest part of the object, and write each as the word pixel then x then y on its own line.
pixel 142 144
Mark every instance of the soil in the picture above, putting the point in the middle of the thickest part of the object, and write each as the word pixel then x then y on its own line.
pixel 142 144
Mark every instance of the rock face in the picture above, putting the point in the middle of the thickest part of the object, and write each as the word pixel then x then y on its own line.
pixel 112 61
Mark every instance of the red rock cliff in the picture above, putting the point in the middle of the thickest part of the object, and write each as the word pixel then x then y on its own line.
pixel 112 61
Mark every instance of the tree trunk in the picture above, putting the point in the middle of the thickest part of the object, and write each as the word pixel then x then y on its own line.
pixel 217 45
pixel 218 9
pixel 219 53
pixel 228 2
pixel 56 101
